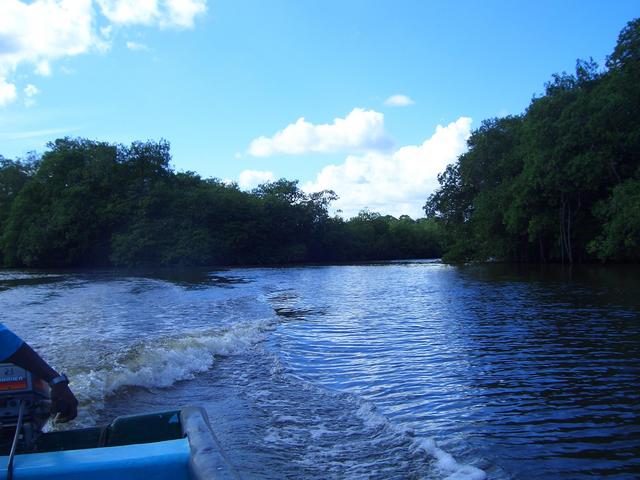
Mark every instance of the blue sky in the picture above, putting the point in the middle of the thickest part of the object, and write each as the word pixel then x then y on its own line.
pixel 213 77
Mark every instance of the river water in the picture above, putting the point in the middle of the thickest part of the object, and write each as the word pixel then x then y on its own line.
pixel 393 370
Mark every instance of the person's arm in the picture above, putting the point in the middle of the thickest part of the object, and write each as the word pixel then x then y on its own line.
pixel 63 401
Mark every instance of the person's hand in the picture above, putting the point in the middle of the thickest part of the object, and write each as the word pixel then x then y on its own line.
pixel 63 403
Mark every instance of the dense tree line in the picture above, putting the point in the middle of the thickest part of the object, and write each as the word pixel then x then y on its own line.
pixel 560 182
pixel 88 203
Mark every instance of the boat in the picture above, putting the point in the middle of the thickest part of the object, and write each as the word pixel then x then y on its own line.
pixel 176 444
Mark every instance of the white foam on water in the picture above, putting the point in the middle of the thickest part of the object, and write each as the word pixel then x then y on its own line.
pixel 164 361
pixel 445 463
pixel 16 275
pixel 324 438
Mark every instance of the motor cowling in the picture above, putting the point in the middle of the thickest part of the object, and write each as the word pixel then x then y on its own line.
pixel 19 386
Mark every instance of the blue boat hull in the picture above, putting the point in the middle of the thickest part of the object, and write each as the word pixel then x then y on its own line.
pixel 177 445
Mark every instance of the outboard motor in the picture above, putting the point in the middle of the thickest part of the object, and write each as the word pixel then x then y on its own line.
pixel 25 404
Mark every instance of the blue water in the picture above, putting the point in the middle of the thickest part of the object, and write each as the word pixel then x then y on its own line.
pixel 395 370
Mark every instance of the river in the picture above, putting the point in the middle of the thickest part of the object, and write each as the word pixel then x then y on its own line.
pixel 401 370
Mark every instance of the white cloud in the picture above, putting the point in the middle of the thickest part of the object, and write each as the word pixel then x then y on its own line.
pixel 106 31
pixel 43 68
pixel 397 183
pixel 183 12
pixel 137 46
pixel 7 92
pixel 143 12
pixel 39 32
pixel 398 101
pixel 361 130
pixel 165 13
pixel 30 91
pixel 249 179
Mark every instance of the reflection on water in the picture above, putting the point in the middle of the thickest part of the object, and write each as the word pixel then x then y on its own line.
pixel 392 370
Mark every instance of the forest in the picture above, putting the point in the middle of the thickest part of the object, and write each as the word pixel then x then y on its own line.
pixel 85 204
pixel 559 183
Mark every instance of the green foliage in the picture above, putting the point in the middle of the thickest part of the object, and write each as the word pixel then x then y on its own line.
pixel 13 177
pixel 620 214
pixel 554 184
pixel 87 203
pixel 627 51
pixel 50 220
pixel 370 235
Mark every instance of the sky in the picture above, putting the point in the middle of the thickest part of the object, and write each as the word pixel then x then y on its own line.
pixel 371 99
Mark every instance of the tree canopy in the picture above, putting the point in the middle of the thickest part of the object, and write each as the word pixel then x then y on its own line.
pixel 561 182
pixel 88 203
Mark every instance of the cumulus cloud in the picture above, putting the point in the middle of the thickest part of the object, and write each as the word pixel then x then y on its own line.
pixel 39 32
pixel 165 13
pixel 397 183
pixel 398 101
pixel 249 179
pixel 360 130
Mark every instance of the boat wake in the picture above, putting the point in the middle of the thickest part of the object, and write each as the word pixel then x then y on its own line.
pixel 160 363
pixel 312 430
pixel 444 463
